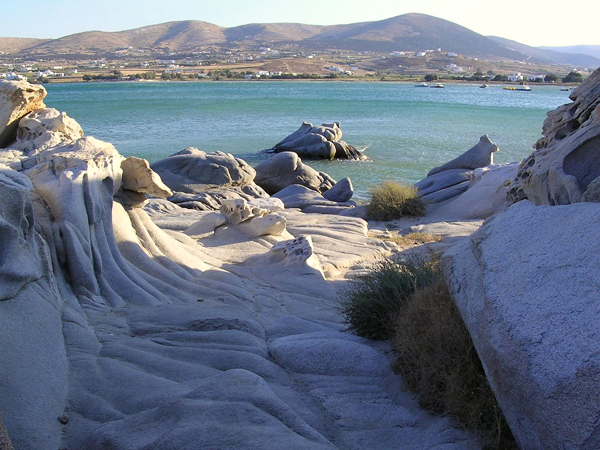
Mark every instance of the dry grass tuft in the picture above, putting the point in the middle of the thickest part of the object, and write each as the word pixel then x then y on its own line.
pixel 393 200
pixel 409 302
pixel 437 359
pixel 370 304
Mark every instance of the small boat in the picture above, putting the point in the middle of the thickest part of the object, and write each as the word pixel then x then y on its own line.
pixel 565 89
pixel 437 86
pixel 422 85
pixel 484 86
pixel 517 88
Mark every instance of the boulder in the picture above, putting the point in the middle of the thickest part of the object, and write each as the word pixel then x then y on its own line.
pixel 252 220
pixel 483 195
pixel 17 98
pixel 468 187
pixel 323 142
pixel 480 155
pixel 139 177
pixel 298 196
pixel 285 169
pixel 45 128
pixel 566 162
pixel 194 171
pixel 526 285
pixel 341 191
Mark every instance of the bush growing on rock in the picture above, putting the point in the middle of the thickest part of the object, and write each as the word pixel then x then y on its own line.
pixel 371 303
pixel 437 360
pixel 409 303
pixel 393 200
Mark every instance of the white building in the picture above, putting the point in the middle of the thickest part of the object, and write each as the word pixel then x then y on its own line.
pixel 539 78
pixel 515 77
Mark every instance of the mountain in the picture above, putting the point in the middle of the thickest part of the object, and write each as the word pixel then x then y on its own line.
pixel 548 55
pixel 408 32
pixel 175 36
pixel 15 45
pixel 591 50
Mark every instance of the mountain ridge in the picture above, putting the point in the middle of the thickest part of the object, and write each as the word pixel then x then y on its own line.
pixel 407 32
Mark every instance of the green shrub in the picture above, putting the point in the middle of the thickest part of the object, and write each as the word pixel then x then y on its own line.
pixel 437 359
pixel 409 302
pixel 393 200
pixel 370 304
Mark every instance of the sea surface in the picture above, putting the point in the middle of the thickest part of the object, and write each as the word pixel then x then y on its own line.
pixel 405 130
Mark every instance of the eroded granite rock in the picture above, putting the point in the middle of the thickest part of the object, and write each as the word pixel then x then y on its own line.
pixel 566 161
pixel 527 286
pixel 17 98
pixel 285 169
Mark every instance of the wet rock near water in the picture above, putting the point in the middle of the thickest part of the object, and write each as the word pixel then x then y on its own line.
pixel 318 142
pixel 285 169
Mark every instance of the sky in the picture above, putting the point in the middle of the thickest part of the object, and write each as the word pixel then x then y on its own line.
pixel 531 22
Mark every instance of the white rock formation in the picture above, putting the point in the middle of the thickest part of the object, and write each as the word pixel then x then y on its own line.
pixel 285 169
pixel 565 167
pixel 45 128
pixel 17 98
pixel 135 336
pixel 527 286
pixel 480 155
pixel 318 142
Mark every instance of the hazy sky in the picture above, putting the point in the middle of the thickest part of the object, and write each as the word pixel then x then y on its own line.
pixel 532 22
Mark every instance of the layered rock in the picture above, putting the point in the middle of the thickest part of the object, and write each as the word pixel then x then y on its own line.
pixel 468 187
pixel 140 337
pixel 298 196
pixel 527 285
pixel 285 169
pixel 17 99
pixel 203 180
pixel 480 155
pixel 318 142
pixel 565 167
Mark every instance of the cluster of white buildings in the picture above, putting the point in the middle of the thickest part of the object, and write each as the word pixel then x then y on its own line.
pixel 518 76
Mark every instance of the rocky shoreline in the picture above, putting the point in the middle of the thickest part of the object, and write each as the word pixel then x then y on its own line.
pixel 192 303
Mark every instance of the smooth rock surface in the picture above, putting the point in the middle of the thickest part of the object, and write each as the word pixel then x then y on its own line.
pixel 137 336
pixel 193 171
pixel 342 191
pixel 480 155
pixel 285 169
pixel 298 196
pixel 527 286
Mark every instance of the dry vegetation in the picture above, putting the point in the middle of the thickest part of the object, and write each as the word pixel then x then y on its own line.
pixel 409 303
pixel 393 200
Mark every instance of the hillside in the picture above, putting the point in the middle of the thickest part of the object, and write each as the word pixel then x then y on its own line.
pixel 15 45
pixel 591 50
pixel 408 32
pixel 548 55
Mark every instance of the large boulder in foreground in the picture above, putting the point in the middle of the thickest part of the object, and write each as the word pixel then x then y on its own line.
pixel 17 99
pixel 527 286
pixel 285 169
pixel 565 167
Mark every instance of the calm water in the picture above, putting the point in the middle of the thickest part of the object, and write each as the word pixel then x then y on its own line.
pixel 407 130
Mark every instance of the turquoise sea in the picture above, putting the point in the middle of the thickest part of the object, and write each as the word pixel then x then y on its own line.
pixel 406 130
